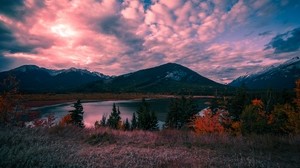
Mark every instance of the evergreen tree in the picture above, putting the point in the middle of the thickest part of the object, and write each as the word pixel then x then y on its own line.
pixel 114 118
pixel 133 122
pixel 77 114
pixel 279 120
pixel 254 118
pixel 154 121
pixel 103 121
pixel 126 125
pixel 180 113
pixel 173 117
pixel 237 104
pixel 147 120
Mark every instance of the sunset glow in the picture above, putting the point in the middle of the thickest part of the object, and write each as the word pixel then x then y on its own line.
pixel 63 30
pixel 219 39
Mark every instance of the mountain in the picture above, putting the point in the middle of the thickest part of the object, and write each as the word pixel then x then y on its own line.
pixel 168 78
pixel 37 79
pixel 280 77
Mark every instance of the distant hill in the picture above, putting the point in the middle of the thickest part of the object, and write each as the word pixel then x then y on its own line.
pixel 36 79
pixel 282 76
pixel 169 78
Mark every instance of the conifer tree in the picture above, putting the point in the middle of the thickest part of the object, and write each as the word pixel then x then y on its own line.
pixel 254 118
pixel 77 114
pixel 181 112
pixel 154 122
pixel 133 122
pixel 147 120
pixel 103 121
pixel 237 104
pixel 126 125
pixel 114 118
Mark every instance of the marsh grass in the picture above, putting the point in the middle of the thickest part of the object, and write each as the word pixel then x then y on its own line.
pixel 74 147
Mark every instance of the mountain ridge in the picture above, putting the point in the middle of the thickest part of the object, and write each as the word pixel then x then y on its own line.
pixel 282 76
pixel 33 78
pixel 169 77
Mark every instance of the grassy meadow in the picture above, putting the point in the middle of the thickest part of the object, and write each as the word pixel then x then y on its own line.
pixel 103 147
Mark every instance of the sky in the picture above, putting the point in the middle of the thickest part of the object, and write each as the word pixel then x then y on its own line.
pixel 219 39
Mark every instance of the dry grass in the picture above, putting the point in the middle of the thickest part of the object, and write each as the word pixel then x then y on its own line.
pixel 74 147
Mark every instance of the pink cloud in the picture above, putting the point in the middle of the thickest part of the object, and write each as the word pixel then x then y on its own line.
pixel 116 37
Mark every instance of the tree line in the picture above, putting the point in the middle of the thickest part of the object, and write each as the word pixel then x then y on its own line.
pixel 252 113
pixel 181 111
pixel 243 113
pixel 144 119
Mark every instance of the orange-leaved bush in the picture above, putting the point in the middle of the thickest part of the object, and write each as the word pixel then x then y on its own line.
pixel 236 128
pixel 66 120
pixel 210 122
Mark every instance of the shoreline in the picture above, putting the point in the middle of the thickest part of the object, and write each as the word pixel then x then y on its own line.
pixel 40 100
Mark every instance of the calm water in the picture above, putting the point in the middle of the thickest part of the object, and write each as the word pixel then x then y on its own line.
pixel 93 111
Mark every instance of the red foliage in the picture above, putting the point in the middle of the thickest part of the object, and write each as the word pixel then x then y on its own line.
pixel 257 102
pixel 66 120
pixel 209 123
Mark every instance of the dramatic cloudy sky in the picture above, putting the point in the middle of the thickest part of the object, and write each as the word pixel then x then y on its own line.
pixel 220 39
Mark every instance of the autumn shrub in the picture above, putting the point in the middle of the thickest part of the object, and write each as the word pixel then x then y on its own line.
pixel 66 120
pixel 286 119
pixel 210 122
pixel 254 119
pixel 235 128
pixel 294 117
pixel 279 119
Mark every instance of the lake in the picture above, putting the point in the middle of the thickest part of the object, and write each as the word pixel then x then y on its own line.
pixel 93 111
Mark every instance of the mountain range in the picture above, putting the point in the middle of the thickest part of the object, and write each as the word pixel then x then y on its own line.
pixel 282 76
pixel 166 78
pixel 32 78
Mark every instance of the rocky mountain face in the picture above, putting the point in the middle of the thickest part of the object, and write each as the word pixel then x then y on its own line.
pixel 282 76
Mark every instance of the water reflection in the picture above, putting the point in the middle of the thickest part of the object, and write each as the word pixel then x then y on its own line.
pixel 94 111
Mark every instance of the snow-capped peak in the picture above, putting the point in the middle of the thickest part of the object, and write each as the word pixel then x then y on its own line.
pixel 26 68
pixel 54 72
pixel 291 61
pixel 289 70
pixel 82 72
pixel 270 68
pixel 101 75
pixel 176 75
